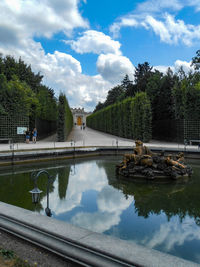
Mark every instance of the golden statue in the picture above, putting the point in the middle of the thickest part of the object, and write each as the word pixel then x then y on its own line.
pixel 174 163
pixel 143 162
pixel 142 155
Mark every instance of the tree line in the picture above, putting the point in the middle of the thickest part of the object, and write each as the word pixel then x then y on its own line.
pixel 129 118
pixel 172 96
pixel 22 93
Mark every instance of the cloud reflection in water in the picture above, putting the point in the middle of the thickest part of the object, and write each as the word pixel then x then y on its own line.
pixel 110 202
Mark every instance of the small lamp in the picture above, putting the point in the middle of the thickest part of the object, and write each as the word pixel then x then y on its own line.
pixel 36 191
pixel 35 195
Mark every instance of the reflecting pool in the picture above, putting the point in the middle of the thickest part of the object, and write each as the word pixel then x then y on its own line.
pixel 87 193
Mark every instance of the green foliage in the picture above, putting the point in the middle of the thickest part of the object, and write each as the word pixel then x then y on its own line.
pixel 98 106
pixel 16 97
pixel 141 117
pixel 9 67
pixel 7 254
pixel 130 118
pixel 186 95
pixel 65 119
pixel 159 90
pixel 11 259
pixel 196 60
pixel 47 104
pixel 172 97
pixel 21 92
pixel 113 95
pixel 142 74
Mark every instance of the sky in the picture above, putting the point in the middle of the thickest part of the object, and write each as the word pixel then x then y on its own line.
pixel 83 48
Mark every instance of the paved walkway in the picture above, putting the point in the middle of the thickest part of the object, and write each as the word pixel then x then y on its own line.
pixel 89 137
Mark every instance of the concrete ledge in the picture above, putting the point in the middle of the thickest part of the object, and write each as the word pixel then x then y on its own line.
pixel 81 245
pixel 28 156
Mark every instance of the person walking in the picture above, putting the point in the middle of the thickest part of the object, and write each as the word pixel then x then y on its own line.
pixel 34 132
pixel 27 134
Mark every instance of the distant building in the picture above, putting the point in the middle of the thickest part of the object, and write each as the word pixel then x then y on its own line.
pixel 79 116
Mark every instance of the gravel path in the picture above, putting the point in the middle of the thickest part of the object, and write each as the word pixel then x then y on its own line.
pixel 34 255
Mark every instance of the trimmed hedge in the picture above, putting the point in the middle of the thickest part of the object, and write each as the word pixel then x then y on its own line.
pixel 130 118
pixel 65 119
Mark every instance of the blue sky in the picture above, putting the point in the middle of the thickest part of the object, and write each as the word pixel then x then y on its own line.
pixel 85 47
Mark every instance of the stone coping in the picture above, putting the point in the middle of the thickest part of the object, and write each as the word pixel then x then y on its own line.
pixel 84 246
pixel 8 158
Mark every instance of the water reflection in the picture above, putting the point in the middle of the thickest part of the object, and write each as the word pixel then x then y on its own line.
pixel 89 200
pixel 87 193
pixel 173 198
pixel 110 205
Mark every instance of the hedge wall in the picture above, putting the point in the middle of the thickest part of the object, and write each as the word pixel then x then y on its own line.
pixel 130 118
pixel 65 119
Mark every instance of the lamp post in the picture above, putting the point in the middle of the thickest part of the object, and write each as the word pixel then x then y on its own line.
pixel 36 191
pixel 117 146
pixel 117 143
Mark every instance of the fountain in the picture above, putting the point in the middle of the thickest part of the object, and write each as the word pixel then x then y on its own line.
pixel 143 163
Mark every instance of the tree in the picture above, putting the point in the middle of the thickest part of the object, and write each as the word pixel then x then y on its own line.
pixel 142 73
pixel 98 106
pixel 26 74
pixel 186 95
pixel 196 61
pixel 65 118
pixel 159 91
pixel 3 94
pixel 113 95
pixel 16 97
pixel 47 104
pixel 22 100
pixel 128 86
pixel 141 117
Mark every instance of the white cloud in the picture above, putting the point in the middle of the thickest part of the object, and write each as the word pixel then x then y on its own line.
pixel 169 29
pixel 62 72
pixel 42 18
pixel 175 68
pixel 194 3
pixel 159 28
pixel 77 185
pixel 95 42
pixel 113 68
pixel 158 6
pixel 184 64
pixel 86 91
pixel 143 10
pixel 97 222
pixel 154 6
pixel 125 22
pixel 21 21
pixel 173 234
pixel 111 203
pixel 159 16
pixel 163 68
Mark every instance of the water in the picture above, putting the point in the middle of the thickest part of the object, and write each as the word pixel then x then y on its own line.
pixel 87 193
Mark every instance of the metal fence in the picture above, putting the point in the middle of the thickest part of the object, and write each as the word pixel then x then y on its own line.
pixel 191 130
pixel 176 130
pixel 11 128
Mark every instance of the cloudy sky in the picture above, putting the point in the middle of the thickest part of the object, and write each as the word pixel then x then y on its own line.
pixel 85 47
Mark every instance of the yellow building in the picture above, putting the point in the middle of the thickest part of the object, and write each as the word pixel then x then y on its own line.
pixel 79 116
